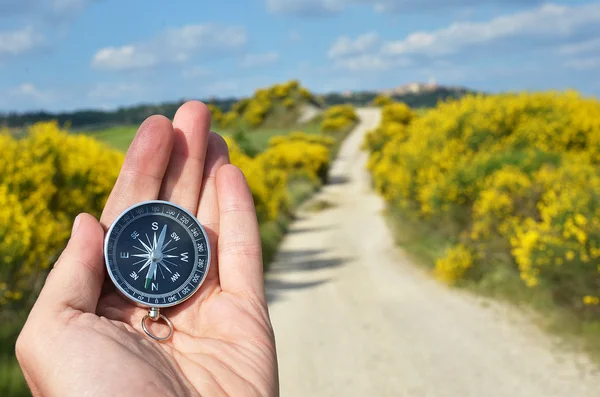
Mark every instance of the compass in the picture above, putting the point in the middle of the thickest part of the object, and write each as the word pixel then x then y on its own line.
pixel 157 254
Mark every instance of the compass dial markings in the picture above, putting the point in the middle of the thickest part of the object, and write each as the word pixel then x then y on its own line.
pixel 166 268
pixel 145 246
pixel 170 263
pixel 148 262
pixel 140 261
pixel 168 242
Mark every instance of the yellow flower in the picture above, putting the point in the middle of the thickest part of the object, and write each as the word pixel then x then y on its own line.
pixel 591 300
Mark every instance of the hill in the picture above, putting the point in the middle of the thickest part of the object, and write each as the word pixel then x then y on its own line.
pixel 420 99
pixel 94 119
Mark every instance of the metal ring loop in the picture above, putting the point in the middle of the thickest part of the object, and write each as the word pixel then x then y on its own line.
pixel 150 334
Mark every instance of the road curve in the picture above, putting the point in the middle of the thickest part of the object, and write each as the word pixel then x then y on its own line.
pixel 353 317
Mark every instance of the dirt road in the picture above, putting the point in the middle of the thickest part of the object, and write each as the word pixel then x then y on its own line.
pixel 353 317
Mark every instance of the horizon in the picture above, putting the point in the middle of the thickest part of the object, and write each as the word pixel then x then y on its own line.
pixel 61 57
pixel 384 92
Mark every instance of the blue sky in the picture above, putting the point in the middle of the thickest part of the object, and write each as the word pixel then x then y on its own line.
pixel 73 54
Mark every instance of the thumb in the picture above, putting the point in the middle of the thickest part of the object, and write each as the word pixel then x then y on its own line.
pixel 76 280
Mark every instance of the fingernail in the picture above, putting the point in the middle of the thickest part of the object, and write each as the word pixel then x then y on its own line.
pixel 76 224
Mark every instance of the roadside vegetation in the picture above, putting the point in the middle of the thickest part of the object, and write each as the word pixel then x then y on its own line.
pixel 501 194
pixel 51 173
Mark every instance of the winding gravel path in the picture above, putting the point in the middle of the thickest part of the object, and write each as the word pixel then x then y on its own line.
pixel 353 317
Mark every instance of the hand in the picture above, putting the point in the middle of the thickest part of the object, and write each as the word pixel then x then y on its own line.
pixel 82 338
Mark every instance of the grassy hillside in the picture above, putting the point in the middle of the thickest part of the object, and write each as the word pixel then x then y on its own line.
pixel 120 137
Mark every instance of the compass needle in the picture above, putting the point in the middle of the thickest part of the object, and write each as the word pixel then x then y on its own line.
pixel 151 271
pixel 161 238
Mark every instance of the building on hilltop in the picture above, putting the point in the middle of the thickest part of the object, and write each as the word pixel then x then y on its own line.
pixel 413 88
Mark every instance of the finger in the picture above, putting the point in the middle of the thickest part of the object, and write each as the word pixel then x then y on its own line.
pixel 183 179
pixel 143 169
pixel 217 155
pixel 240 254
pixel 76 280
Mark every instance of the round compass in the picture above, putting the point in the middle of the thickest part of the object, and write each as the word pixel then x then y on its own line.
pixel 157 254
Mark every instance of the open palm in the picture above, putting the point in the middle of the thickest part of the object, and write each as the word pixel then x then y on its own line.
pixel 83 338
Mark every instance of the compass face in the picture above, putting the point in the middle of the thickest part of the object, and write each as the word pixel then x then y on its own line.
pixel 157 254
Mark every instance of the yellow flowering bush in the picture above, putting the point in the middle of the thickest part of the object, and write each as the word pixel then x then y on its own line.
pixel 299 136
pixel 382 100
pixel 339 119
pixel 254 111
pixel 48 178
pixel 516 174
pixel 268 174
pixel 216 115
pixel 456 263
pixel 229 120
pixel 298 155
pixel 268 187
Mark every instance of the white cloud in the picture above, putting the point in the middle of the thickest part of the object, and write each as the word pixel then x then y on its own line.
pixel 306 7
pixel 330 7
pixel 172 46
pixel 254 60
pixel 545 21
pixel 294 36
pixel 28 91
pixel 123 58
pixel 584 64
pixel 344 45
pixel 109 91
pixel 67 5
pixel 369 63
pixel 592 45
pixel 20 41
pixel 429 5
pixel 195 72
pixel 43 10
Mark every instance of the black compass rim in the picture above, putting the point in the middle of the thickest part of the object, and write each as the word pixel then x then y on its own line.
pixel 128 295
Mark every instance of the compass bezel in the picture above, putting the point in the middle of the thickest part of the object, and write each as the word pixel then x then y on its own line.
pixel 130 296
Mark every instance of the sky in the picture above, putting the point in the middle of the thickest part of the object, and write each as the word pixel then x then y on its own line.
pixel 62 55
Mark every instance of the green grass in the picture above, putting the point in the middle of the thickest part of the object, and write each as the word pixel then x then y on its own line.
pixel 424 242
pixel 12 383
pixel 271 233
pixel 120 137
